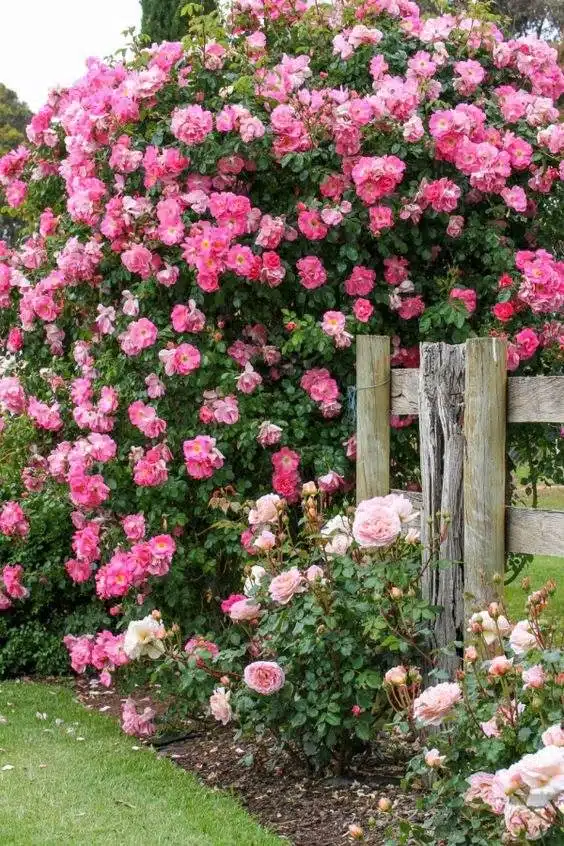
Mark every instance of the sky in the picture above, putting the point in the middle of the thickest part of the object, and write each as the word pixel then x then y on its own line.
pixel 44 43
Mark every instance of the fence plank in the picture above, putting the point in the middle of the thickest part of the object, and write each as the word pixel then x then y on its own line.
pixel 441 396
pixel 535 399
pixel 484 470
pixel 535 532
pixel 373 416
pixel 405 391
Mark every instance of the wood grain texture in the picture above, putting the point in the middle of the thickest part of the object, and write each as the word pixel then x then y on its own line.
pixel 405 391
pixel 535 399
pixel 441 399
pixel 484 470
pixel 535 532
pixel 373 416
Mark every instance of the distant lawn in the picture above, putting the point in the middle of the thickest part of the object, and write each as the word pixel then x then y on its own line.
pixel 542 567
pixel 78 782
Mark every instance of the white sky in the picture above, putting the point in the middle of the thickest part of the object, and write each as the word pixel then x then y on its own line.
pixel 44 43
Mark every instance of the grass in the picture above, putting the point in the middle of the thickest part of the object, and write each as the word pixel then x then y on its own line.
pixel 542 567
pixel 73 779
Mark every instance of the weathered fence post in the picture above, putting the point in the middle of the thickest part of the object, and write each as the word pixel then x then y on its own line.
pixel 484 471
pixel 441 397
pixel 373 416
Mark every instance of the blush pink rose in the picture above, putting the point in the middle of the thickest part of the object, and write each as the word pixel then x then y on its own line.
pixel 244 611
pixel 436 703
pixel 553 736
pixel 265 677
pixel 283 587
pixel 220 706
pixel 265 510
pixel 375 523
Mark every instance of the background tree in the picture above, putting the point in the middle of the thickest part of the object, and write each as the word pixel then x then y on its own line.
pixel 543 18
pixel 162 20
pixel 14 117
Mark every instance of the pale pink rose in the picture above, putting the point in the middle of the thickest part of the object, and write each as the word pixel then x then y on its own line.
pixel 542 775
pixel 436 703
pixel 396 676
pixel 314 573
pixel 269 434
pixel 220 706
pixel 553 736
pixel 534 677
pixel 283 587
pixel 375 524
pixel 490 728
pixel 491 629
pixel 522 638
pixel 338 530
pixel 523 822
pixel 483 788
pixel 500 666
pixel 266 677
pixel 266 540
pixel 265 510
pixel 434 759
pixel 412 536
pixel 401 505
pixel 244 610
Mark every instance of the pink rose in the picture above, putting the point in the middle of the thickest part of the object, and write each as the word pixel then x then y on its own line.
pixel 465 295
pixel 283 587
pixel 534 677
pixel 553 736
pixel 265 510
pixel 375 524
pixel 396 676
pixel 265 540
pixel 542 774
pixel 220 706
pixel 522 639
pixel 265 677
pixel 436 703
pixel 500 666
pixel 244 610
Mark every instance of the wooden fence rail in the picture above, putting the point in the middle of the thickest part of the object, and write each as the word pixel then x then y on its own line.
pixel 464 400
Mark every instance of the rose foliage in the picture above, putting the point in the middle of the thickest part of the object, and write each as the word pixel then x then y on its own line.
pixel 215 221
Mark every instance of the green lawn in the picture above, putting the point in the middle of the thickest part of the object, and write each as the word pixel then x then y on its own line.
pixel 542 567
pixel 73 779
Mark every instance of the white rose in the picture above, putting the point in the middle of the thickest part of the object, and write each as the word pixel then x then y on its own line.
pixel 144 637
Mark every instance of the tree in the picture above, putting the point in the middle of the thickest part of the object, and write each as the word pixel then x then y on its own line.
pixel 161 19
pixel 14 117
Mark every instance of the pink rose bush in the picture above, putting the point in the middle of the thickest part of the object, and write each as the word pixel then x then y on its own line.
pixel 501 753
pixel 209 228
pixel 308 596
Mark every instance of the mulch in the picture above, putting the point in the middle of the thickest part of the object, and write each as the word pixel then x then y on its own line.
pixel 286 799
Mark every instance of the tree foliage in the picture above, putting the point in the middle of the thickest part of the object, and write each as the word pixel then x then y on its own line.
pixel 14 117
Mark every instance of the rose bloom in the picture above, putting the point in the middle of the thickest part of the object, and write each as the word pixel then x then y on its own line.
pixel 265 677
pixel 396 676
pixel 500 666
pixel 543 775
pixel 266 540
pixel 484 788
pixel 375 523
pixel 521 821
pixel 314 573
pixel 489 628
pixel 553 736
pixel 244 611
pixel 436 703
pixel 283 587
pixel 144 637
pixel 434 759
pixel 402 505
pixel 522 638
pixel 534 677
pixel 220 706
pixel 265 510
pixel 338 530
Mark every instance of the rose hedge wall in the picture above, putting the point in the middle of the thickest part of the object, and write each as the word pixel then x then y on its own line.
pixel 210 225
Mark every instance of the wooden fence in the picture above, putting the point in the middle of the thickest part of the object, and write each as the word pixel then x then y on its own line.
pixel 464 399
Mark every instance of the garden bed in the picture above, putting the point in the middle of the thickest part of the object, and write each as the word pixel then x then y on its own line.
pixel 308 811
